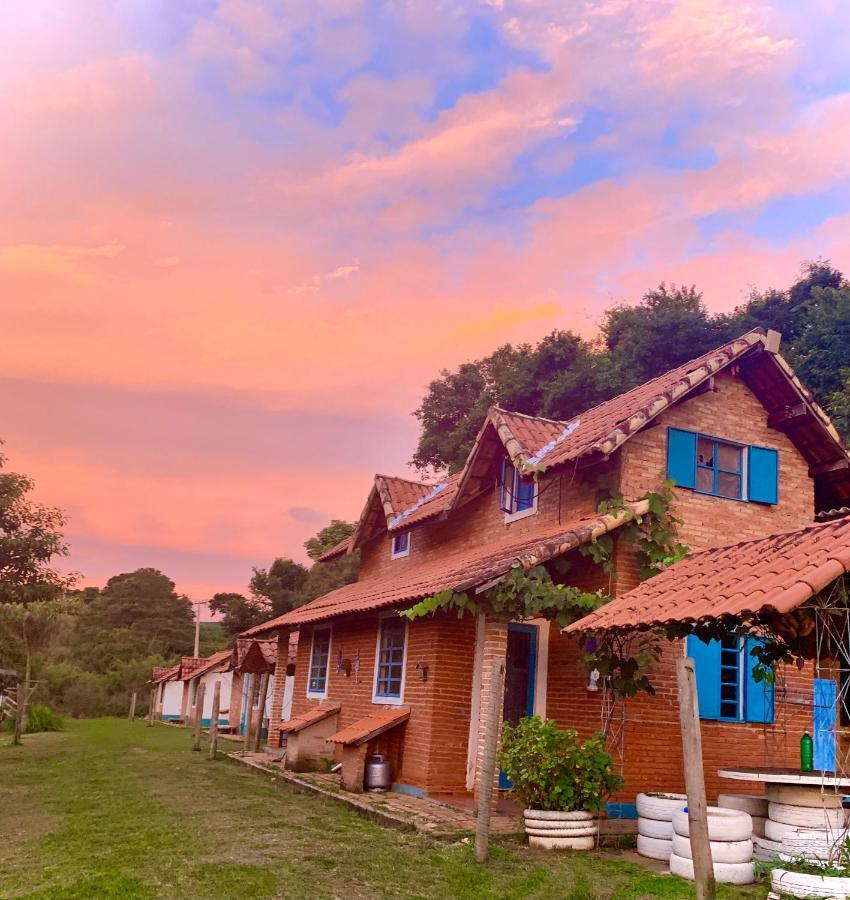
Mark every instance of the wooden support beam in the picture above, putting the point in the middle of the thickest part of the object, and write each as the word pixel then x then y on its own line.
pixel 216 707
pixel 825 468
pixel 787 415
pixel 152 707
pixel 488 772
pixel 249 713
pixel 132 713
pixel 695 778
pixel 261 711
pixel 199 716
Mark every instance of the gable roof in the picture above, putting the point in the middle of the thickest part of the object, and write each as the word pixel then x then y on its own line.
pixel 779 572
pixel 537 444
pixel 460 570
pixel 164 673
pixel 221 661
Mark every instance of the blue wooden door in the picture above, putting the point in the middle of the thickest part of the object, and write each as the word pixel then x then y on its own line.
pixel 520 678
pixel 825 712
pixel 246 702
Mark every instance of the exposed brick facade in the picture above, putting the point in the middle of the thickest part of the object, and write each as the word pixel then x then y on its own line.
pixel 434 749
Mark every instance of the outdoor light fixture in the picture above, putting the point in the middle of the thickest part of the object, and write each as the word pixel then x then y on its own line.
pixel 592 680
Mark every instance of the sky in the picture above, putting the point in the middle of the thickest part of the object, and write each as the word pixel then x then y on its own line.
pixel 238 238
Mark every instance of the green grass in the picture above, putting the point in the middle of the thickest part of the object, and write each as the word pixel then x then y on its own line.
pixel 114 809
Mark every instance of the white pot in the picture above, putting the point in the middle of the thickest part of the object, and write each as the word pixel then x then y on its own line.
pixel 655 828
pixel 723 824
pixel 796 884
pixel 660 806
pixel 554 830
pixel 797 795
pixel 654 848
pixel 748 803
pixel 807 816
pixel 725 873
pixel 721 851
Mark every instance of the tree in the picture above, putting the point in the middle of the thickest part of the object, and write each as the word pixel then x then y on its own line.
pixel 30 539
pixel 278 588
pixel 238 612
pixel 328 537
pixel 138 614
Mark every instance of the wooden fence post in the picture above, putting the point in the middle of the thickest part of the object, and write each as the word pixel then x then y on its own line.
pixel 261 711
pixel 199 716
pixel 152 707
pixel 132 714
pixel 20 694
pixel 487 775
pixel 695 778
pixel 249 714
pixel 216 705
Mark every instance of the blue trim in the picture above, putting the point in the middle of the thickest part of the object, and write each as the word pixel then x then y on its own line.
pixel 504 781
pixel 175 718
pixel 621 810
pixel 823 730
pixel 409 789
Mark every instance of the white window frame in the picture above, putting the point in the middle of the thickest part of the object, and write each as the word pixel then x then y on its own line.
pixel 389 701
pixel 316 695
pixel 523 513
pixel 401 553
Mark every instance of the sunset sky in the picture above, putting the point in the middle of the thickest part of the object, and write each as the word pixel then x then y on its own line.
pixel 238 238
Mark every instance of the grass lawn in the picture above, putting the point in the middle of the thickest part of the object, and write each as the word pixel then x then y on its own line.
pixel 114 809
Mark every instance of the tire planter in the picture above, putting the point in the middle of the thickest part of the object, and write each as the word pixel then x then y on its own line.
pixel 815 845
pixel 660 806
pixel 721 851
pixel 796 884
pixel 654 848
pixel 778 831
pixel 801 796
pixel 655 828
pixel 725 873
pixel 550 830
pixel 765 850
pixel 748 803
pixel 723 824
pixel 807 816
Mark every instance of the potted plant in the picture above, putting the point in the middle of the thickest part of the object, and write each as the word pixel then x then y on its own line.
pixel 561 783
pixel 828 876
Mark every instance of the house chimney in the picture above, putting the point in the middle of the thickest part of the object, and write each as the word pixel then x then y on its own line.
pixel 772 341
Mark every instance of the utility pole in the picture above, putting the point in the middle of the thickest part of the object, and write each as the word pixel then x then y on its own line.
pixel 198 628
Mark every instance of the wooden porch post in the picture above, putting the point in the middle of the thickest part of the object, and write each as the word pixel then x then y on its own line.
pixel 261 711
pixel 695 778
pixel 488 773
pixel 199 717
pixel 132 713
pixel 216 705
pixel 249 713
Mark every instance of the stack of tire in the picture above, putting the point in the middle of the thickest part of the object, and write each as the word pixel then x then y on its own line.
pixel 655 823
pixel 730 832
pixel 756 806
pixel 793 821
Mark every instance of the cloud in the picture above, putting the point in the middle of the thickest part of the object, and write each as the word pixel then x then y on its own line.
pixel 307 514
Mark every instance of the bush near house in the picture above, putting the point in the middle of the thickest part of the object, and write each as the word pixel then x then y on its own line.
pixel 39 718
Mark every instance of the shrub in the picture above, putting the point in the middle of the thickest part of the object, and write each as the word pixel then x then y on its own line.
pixel 550 770
pixel 39 718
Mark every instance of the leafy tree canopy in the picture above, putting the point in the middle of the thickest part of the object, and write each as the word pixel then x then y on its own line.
pixel 238 612
pixel 564 375
pixel 328 537
pixel 277 590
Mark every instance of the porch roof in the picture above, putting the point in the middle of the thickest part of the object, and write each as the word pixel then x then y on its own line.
pixel 459 571
pixel 376 723
pixel 780 573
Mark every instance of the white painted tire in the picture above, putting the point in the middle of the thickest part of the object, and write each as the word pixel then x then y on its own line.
pixel 723 824
pixel 748 803
pixel 655 828
pixel 554 825
pixel 585 831
pixel 725 873
pixel 795 795
pixel 807 816
pixel 573 816
pixel 766 850
pixel 721 851
pixel 660 806
pixel 758 825
pixel 569 843
pixel 796 884
pixel 809 845
pixel 778 831
pixel 654 848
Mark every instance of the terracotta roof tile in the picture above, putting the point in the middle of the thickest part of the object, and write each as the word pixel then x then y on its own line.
pixel 188 664
pixel 438 498
pixel 310 717
pixel 337 550
pixel 218 662
pixel 459 570
pixel 781 572
pixel 371 726
pixel 164 673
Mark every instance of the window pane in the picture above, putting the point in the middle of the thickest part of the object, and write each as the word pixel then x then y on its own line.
pixel 390 661
pixel 525 493
pixel 705 452
pixel 705 480
pixel 728 458
pixel 319 661
pixel 729 485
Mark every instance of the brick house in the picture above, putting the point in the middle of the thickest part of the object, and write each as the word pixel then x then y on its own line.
pixel 752 455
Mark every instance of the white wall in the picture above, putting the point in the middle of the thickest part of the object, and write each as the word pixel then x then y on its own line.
pixel 209 680
pixel 172 699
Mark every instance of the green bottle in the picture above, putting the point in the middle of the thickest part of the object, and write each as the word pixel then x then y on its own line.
pixel 807 753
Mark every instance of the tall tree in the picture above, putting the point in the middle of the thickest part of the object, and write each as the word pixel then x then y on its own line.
pixel 328 537
pixel 238 612
pixel 278 588
pixel 30 540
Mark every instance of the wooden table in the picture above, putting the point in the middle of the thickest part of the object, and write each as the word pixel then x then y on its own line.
pixel 814 780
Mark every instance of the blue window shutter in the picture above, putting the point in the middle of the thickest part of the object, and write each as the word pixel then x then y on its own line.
pixel 524 492
pixel 504 498
pixel 706 659
pixel 682 457
pixel 824 724
pixel 758 699
pixel 763 475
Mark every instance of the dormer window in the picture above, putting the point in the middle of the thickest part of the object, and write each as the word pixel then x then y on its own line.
pixel 401 545
pixel 518 493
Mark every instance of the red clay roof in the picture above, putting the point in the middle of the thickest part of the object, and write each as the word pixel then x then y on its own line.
pixel 781 572
pixel 256 656
pixel 371 726
pixel 316 714
pixel 164 673
pixel 337 550
pixel 188 666
pixel 460 570
pixel 218 662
